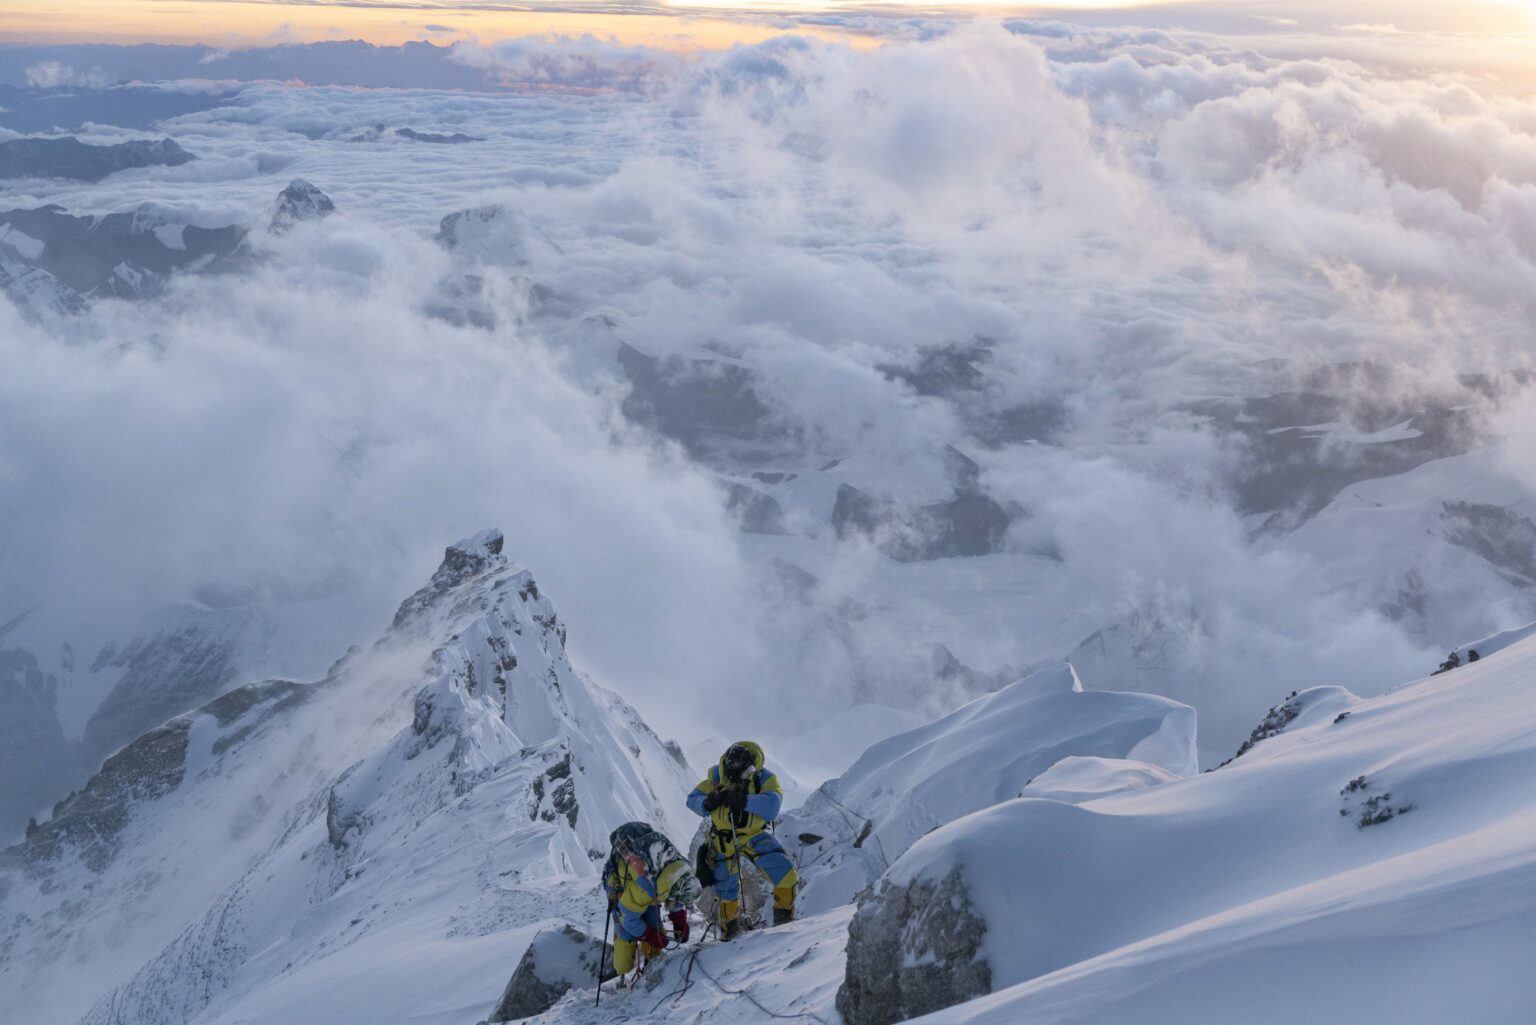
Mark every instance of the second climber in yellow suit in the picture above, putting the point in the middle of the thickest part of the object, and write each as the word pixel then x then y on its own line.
pixel 741 797
pixel 644 875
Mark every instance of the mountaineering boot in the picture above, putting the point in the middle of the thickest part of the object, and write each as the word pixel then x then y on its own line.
pixel 730 919
pixel 783 904
pixel 730 930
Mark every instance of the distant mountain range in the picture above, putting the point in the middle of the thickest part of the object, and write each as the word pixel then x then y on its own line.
pixel 68 157
pixel 53 262
pixel 341 62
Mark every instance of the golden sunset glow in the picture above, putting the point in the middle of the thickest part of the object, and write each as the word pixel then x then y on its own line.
pixel 667 23
pixel 240 24
pixel 236 24
pixel 673 24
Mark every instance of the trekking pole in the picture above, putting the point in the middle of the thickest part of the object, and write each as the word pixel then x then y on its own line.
pixel 602 953
pixel 741 877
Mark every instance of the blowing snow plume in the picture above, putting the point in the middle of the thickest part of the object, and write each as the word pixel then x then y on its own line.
pixel 467 709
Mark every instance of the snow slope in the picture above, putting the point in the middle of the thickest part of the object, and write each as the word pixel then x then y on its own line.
pixel 1379 867
pixel 1274 890
pixel 985 752
pixel 373 835
pixel 383 844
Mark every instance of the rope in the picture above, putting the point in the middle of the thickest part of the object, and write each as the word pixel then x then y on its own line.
pixel 683 987
pixel 867 823
pixel 747 993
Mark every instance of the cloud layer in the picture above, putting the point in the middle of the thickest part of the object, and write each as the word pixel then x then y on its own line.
pixel 1135 221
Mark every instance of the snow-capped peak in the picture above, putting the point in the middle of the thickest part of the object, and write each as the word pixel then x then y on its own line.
pixel 462 562
pixel 288 824
pixel 300 201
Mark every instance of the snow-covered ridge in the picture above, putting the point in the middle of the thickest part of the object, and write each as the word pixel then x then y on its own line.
pixel 242 846
pixel 1496 643
pixel 984 752
pixel 1372 865
pixel 387 841
pixel 1378 853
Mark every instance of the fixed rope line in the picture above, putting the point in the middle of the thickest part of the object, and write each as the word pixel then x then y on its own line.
pixel 686 984
pixel 747 993
pixel 868 825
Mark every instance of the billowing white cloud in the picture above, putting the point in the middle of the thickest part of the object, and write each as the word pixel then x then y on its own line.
pixel 1133 220
pixel 51 74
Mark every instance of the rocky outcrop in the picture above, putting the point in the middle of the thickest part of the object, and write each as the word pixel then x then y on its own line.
pixel 299 202
pixel 461 563
pixel 439 138
pixel 757 512
pixel 1327 427
pixel 557 961
pixel 1300 708
pixel 913 949
pixel 90 822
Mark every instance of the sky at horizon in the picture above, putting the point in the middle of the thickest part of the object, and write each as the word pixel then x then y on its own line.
pixel 713 24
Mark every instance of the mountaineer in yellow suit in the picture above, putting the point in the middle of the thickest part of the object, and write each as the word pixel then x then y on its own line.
pixel 740 797
pixel 645 873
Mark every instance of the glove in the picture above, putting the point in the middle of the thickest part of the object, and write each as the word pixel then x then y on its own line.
pixel 679 919
pixel 716 797
pixel 654 937
pixel 738 800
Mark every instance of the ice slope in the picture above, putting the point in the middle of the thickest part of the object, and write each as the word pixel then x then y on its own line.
pixel 393 826
pixel 985 752
pixel 1374 867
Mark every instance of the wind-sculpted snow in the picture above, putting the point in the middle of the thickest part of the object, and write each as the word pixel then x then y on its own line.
pixel 1116 891
pixel 1079 778
pixel 286 824
pixel 854 827
pixel 1258 892
pixel 1498 642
